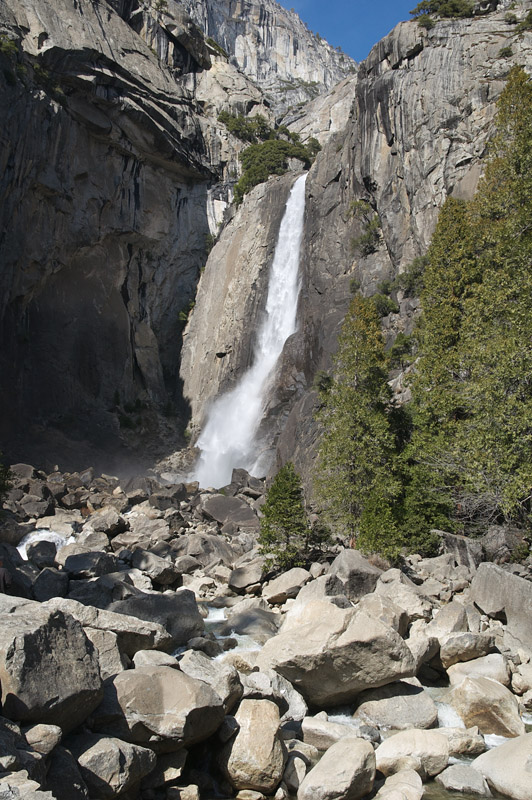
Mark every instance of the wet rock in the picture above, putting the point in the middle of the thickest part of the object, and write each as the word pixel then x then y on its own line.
pixel 42 554
pixel 345 772
pixel 251 618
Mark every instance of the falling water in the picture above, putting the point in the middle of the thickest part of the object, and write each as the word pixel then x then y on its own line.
pixel 228 439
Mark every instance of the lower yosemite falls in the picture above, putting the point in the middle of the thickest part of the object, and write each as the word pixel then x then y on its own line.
pixel 229 438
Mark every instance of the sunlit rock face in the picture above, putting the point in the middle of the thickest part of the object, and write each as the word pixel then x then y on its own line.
pixel 273 47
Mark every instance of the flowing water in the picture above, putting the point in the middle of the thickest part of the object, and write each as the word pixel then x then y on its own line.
pixel 229 437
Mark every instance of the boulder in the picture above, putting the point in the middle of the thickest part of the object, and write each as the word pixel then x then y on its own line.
pixel 322 734
pixel 154 658
pixel 464 741
pixel 63 778
pixel 206 548
pixel 286 585
pixel 494 666
pixel 425 752
pixel 223 678
pixel 398 706
pixel 110 659
pixel 49 668
pixel 50 583
pixel 345 772
pixel 110 766
pixel 158 704
pixel 383 608
pixel 337 654
pixel 358 576
pixel 19 786
pixel 255 757
pixel 169 768
pixel 132 633
pixel 43 738
pixel 324 586
pixel 251 618
pixel 80 563
pixel 403 785
pixel 247 575
pixel 160 570
pixel 466 551
pixel 224 509
pixel 463 778
pixel 405 594
pixel 177 612
pixel 487 704
pixel 501 595
pixel 465 647
pixel 508 768
pixel 42 553
pixel 451 618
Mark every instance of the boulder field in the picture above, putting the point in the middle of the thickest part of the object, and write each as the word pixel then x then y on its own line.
pixel 146 653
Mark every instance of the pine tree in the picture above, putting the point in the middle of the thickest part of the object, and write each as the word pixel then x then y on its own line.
pixel 473 393
pixel 355 482
pixel 286 537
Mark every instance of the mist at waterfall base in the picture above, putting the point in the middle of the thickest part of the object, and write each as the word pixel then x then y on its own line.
pixel 229 437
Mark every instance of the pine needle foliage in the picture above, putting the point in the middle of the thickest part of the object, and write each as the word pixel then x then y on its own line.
pixel 286 537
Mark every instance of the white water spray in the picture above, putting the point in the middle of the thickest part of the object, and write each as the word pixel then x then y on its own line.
pixel 228 439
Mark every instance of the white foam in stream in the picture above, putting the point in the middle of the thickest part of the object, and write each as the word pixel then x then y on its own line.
pixel 42 535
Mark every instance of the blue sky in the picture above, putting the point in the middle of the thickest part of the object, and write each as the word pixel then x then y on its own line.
pixel 355 27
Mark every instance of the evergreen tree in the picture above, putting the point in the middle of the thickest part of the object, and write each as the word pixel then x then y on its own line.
pixel 472 403
pixel 355 481
pixel 285 534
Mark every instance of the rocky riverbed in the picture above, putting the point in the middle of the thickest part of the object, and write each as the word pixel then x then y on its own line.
pixel 145 653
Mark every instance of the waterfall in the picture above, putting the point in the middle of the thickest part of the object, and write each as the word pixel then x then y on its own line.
pixel 228 439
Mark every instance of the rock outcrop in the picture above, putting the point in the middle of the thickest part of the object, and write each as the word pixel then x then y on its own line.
pixel 273 47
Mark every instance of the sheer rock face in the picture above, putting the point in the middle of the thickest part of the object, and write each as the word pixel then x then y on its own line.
pixel 418 130
pixel 273 47
pixel 104 179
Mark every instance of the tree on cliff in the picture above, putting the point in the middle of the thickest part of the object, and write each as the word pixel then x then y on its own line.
pixel 355 479
pixel 286 537
pixel 472 395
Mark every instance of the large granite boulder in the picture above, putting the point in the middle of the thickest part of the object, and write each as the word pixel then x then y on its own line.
pixel 158 705
pixel 255 757
pixel 110 766
pixel 224 509
pixel 177 612
pixel 132 633
pixel 345 772
pixel 286 585
pixel 337 654
pixel 494 666
pixel 403 785
pixel 405 594
pixel 223 678
pixel 399 706
pixel 426 752
pixel 49 668
pixel 463 778
pixel 500 594
pixel 508 768
pixel 487 704
pixel 358 576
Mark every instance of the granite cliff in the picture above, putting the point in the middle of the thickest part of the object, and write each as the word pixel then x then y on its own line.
pixel 416 132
